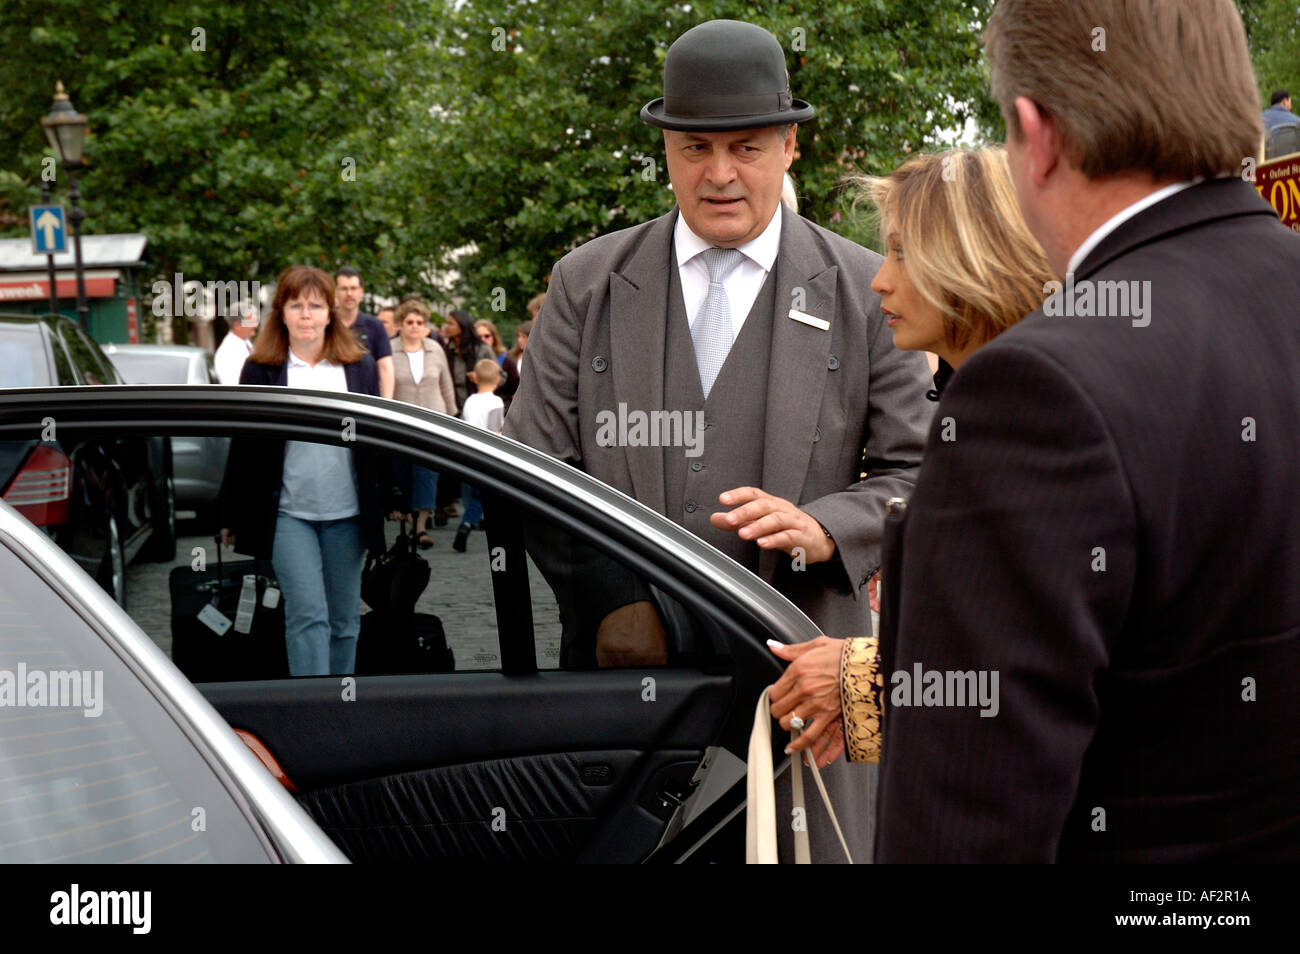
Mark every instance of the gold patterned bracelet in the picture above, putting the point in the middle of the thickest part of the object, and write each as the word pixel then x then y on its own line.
pixel 861 699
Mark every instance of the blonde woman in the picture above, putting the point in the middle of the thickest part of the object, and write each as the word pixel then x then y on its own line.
pixel 421 377
pixel 960 268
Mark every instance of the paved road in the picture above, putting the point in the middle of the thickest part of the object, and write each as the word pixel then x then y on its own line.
pixel 459 592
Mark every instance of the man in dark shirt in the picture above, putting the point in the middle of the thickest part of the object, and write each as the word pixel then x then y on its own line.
pixel 1279 111
pixel 367 328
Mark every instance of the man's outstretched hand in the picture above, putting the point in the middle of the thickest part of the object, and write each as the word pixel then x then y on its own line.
pixel 774 523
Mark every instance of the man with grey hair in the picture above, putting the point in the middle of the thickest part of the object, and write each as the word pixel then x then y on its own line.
pixel 237 345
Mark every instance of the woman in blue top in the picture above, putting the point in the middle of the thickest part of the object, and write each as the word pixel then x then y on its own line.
pixel 312 508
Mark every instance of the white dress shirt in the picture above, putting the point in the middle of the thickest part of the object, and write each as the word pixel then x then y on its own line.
pixel 1119 218
pixel 744 282
pixel 230 357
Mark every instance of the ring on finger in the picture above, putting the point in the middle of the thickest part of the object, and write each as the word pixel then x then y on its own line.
pixel 796 723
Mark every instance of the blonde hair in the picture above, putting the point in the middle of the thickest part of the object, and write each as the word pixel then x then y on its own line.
pixel 966 247
pixel 487 371
pixel 1160 86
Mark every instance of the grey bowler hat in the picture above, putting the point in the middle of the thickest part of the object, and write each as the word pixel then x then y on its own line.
pixel 725 75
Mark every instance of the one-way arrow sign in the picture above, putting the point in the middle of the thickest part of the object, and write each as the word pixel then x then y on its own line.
pixel 49 229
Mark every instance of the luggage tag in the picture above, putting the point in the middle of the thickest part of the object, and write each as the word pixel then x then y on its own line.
pixel 271 597
pixel 214 619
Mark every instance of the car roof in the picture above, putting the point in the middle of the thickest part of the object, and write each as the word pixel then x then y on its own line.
pixel 160 349
pixel 35 320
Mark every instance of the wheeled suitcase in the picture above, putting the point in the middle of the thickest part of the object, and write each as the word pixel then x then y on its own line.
pixel 392 643
pixel 207 646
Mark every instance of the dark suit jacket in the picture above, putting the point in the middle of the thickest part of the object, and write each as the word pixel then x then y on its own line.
pixel 1113 528
pixel 250 490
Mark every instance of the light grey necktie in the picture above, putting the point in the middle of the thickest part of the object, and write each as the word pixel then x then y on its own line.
pixel 712 332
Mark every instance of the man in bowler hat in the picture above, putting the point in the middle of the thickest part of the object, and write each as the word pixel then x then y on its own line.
pixel 763 323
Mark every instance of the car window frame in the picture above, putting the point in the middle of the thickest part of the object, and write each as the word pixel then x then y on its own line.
pixel 65 370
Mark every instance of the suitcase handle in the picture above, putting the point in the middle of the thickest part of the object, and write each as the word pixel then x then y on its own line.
pixel 411 538
pixel 217 584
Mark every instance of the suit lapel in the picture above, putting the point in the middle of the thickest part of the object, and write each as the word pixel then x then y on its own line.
pixel 797 371
pixel 638 295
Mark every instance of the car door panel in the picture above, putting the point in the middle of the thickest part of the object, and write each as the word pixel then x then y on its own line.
pixel 532 809
pixel 560 754
pixel 398 723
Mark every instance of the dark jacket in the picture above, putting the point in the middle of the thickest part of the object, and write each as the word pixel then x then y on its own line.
pixel 509 379
pixel 250 492
pixel 1112 529
pixel 460 371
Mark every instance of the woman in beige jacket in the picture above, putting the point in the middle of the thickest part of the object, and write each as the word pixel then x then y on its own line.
pixel 422 378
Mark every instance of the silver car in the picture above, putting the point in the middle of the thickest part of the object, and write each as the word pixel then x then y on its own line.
pixel 107 753
pixel 198 462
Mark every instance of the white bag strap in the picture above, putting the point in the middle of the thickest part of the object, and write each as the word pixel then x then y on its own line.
pixel 760 804
pixel 760 807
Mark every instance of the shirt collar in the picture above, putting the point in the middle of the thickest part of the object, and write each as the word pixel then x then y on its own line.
pixel 297 362
pixel 761 250
pixel 1119 218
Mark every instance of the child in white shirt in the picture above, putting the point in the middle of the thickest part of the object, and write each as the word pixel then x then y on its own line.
pixel 482 409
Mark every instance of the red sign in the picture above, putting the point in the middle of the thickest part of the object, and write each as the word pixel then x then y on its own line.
pixel 1278 182
pixel 132 327
pixel 37 289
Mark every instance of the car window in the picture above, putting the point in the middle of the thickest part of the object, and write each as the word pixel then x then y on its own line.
pixel 93 769
pixel 592 610
pixel 23 363
pixel 62 364
pixel 84 357
pixel 491 584
pixel 317 598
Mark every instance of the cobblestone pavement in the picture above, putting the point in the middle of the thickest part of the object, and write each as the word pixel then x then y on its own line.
pixel 459 592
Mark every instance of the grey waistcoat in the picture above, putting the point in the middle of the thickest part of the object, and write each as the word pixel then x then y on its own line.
pixel 730 447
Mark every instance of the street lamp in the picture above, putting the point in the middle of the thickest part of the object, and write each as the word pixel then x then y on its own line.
pixel 65 128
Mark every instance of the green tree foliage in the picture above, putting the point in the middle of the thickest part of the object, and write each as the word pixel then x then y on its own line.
pixel 547 150
pixel 465 141
pixel 1273 30
pixel 239 138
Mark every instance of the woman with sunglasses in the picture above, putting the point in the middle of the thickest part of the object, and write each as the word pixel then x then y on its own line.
pixel 487 333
